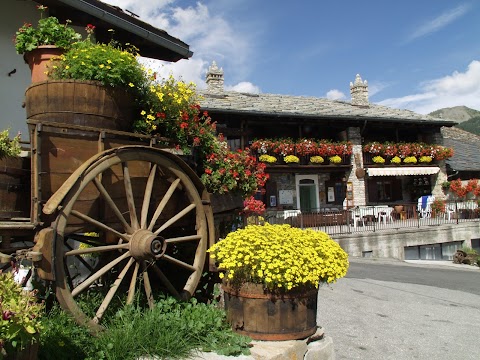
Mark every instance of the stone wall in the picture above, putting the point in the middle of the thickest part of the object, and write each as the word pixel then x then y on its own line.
pixel 391 244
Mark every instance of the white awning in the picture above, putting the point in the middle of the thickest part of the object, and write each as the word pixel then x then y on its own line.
pixel 403 171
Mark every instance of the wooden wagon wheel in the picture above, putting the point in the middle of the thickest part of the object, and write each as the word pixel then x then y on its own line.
pixel 149 236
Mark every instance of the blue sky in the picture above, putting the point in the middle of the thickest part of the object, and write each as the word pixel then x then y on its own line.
pixel 418 55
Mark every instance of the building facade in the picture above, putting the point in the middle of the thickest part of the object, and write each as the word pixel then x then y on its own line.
pixel 357 180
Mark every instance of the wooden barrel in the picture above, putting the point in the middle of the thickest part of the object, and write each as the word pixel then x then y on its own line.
pixel 14 188
pixel 263 315
pixel 84 103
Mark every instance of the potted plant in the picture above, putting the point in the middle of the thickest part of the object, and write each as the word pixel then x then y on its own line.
pixel 291 159
pixel 317 159
pixel 278 267
pixel 108 77
pixel 410 160
pixel 378 160
pixel 395 160
pixel 335 160
pixel 438 207
pixel 20 323
pixel 267 159
pixel 39 44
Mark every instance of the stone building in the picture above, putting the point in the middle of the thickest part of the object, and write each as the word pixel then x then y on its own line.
pixel 245 117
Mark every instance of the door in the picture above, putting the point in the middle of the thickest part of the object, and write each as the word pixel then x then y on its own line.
pixel 307 192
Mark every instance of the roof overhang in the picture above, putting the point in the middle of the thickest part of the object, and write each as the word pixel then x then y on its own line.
pixel 403 171
pixel 152 42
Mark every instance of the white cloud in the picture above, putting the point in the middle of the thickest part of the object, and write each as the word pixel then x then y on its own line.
pixel 335 94
pixel 244 87
pixel 210 37
pixel 460 88
pixel 376 87
pixel 439 22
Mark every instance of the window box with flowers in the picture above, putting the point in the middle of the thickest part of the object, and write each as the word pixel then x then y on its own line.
pixel 403 151
pixel 272 266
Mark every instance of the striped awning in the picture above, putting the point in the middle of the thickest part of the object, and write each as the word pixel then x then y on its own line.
pixel 403 171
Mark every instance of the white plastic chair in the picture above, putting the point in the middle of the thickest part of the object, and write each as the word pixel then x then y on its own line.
pixel 449 211
pixel 385 215
pixel 357 217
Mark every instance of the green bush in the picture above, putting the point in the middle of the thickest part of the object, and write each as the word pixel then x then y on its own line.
pixel 171 330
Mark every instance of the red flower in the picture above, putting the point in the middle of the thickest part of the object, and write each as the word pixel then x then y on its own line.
pixel 208 171
pixel 183 125
pixel 161 115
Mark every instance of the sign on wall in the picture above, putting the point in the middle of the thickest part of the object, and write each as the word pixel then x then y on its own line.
pixel 285 197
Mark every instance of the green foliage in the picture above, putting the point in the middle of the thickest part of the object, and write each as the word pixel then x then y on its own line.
pixel 472 125
pixel 48 32
pixel 108 63
pixel 171 330
pixel 8 146
pixel 20 322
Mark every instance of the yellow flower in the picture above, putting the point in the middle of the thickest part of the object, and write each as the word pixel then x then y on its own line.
pixel 101 66
pixel 131 85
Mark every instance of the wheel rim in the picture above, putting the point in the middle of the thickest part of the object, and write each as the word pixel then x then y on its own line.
pixel 137 245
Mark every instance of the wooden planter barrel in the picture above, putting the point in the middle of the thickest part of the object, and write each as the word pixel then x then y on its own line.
pixel 262 315
pixel 84 103
pixel 14 187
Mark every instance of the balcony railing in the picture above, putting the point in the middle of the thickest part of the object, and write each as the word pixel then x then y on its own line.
pixel 374 218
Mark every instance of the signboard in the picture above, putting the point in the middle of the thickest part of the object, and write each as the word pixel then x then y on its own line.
pixel 330 194
pixel 285 197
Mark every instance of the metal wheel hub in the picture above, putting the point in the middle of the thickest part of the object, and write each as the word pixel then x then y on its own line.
pixel 145 245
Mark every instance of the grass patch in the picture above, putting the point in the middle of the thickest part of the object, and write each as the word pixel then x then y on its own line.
pixel 172 330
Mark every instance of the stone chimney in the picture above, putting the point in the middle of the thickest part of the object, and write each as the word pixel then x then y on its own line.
pixel 359 92
pixel 214 79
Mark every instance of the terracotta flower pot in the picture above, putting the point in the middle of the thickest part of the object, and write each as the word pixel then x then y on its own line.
pixel 39 61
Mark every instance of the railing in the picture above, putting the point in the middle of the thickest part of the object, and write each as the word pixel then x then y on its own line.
pixel 375 218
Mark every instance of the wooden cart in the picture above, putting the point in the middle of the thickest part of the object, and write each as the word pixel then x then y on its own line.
pixel 113 213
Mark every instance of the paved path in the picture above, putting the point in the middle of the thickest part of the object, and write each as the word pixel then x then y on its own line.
pixel 378 319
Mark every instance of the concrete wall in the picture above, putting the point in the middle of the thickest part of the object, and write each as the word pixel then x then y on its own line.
pixel 391 244
pixel 12 88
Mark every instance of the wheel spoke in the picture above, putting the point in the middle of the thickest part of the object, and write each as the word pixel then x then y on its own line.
pixel 163 202
pixel 131 289
pixel 99 224
pixel 183 238
pixel 112 205
pixel 165 281
pixel 148 196
pixel 98 274
pixel 175 218
pixel 179 263
pixel 97 249
pixel 147 286
pixel 129 196
pixel 111 292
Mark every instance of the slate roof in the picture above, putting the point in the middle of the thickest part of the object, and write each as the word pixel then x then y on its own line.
pixel 466 148
pixel 302 106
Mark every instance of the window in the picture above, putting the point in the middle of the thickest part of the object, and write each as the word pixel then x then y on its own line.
pixel 384 189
